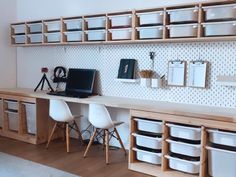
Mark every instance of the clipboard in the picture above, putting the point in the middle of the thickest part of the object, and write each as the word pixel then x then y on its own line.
pixel 176 73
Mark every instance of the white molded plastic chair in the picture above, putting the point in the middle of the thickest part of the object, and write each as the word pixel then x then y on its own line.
pixel 60 112
pixel 100 118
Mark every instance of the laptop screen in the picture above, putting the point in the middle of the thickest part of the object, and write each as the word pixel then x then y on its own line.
pixel 80 81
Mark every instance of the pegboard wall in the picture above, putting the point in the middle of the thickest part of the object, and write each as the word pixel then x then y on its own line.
pixel 106 58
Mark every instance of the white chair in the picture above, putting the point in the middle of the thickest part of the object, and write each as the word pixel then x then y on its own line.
pixel 100 118
pixel 60 112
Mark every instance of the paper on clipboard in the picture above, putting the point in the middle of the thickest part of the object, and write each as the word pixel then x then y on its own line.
pixel 176 73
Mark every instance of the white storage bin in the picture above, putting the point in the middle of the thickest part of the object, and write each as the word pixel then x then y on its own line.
pixel 35 27
pixel 186 30
pixel 192 150
pixel 124 20
pixel 19 29
pixel 73 24
pixel 149 126
pixel 150 18
pixel 1 113
pixel 13 121
pixel 53 26
pixel 19 39
pixel 30 110
pixel 220 28
pixel 74 36
pixel 96 35
pixel 183 15
pixel 53 37
pixel 96 22
pixel 185 132
pixel 13 105
pixel 154 32
pixel 221 163
pixel 121 34
pixel 186 166
pixel 222 138
pixel 36 38
pixel 220 12
pixel 149 157
pixel 148 141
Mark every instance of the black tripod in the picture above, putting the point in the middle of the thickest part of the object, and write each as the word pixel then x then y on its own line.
pixel 42 81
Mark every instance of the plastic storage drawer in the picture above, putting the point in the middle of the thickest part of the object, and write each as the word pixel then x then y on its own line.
pixel 96 22
pixel 19 39
pixel 121 34
pixel 221 162
pixel 124 20
pixel 74 36
pixel 150 32
pixel 187 30
pixel 13 120
pixel 149 126
pixel 186 166
pixel 220 28
pixel 73 24
pixel 19 29
pixel 35 27
pixel 185 132
pixel 220 12
pixel 149 157
pixel 30 109
pixel 183 15
pixel 96 35
pixel 222 138
pixel 148 141
pixel 185 148
pixel 53 26
pixel 13 105
pixel 36 38
pixel 150 18
pixel 53 37
pixel 1 113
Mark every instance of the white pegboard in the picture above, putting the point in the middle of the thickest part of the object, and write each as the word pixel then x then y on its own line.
pixel 106 58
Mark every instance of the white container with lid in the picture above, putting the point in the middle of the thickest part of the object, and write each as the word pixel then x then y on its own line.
pixel 186 30
pixel 53 37
pixel 183 15
pixel 149 125
pixel 35 27
pixel 222 137
pixel 96 22
pixel 148 141
pixel 124 20
pixel 73 24
pixel 96 35
pixel 36 38
pixel 149 157
pixel 75 36
pixel 121 34
pixel 154 32
pixel 19 29
pixel 150 18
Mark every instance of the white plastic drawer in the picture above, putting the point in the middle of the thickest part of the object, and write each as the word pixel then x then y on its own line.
pixel 13 120
pixel 121 34
pixel 96 22
pixel 35 27
pixel 155 32
pixel 53 26
pixel 1 113
pixel 220 12
pixel 149 126
pixel 148 142
pixel 183 15
pixel 74 36
pixel 53 37
pixel 187 30
pixel 150 18
pixel 185 132
pixel 186 166
pixel 149 157
pixel 13 105
pixel 19 29
pixel 121 20
pixel 220 28
pixel 19 39
pixel 36 38
pixel 30 109
pixel 96 35
pixel 184 148
pixel 73 24
pixel 222 137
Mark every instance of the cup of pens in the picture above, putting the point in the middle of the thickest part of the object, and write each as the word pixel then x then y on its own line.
pixel 145 77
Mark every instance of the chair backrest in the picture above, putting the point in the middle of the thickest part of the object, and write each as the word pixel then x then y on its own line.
pixel 60 111
pixel 99 116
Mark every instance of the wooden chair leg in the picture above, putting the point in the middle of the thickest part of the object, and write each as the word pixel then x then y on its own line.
pixel 119 139
pixel 51 134
pixel 79 133
pixel 63 131
pixel 90 142
pixel 104 140
pixel 107 146
pixel 67 138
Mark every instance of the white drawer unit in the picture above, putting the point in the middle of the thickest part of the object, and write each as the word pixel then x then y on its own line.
pixel 149 157
pixel 192 167
pixel 73 24
pixel 13 120
pixel 149 126
pixel 186 30
pixel 19 29
pixel 96 22
pixel 121 34
pixel 220 28
pixel 177 147
pixel 35 38
pixel 220 12
pixel 12 105
pixel 19 39
pixel 222 137
pixel 150 18
pixel 148 141
pixel 183 15
pixel 96 35
pixel 185 132
pixel 53 26
pixel 30 110
pixel 124 20
pixel 35 27
pixel 53 37
pixel 154 32
pixel 75 36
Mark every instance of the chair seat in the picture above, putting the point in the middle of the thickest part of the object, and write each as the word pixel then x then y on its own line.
pixel 117 123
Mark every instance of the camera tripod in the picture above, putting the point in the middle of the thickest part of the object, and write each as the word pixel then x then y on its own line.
pixel 42 81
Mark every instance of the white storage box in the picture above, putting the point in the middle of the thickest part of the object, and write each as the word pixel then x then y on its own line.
pixel 96 35
pixel 185 132
pixel 35 27
pixel 13 120
pixel 150 157
pixel 222 138
pixel 192 150
pixel 154 32
pixel 220 28
pixel 187 30
pixel 148 141
pixel 36 38
pixel 1 113
pixel 183 15
pixel 19 39
pixel 121 34
pixel 124 20
pixel 150 18
pixel 73 24
pixel 220 12
pixel 53 26
pixel 19 29
pixel 74 36
pixel 149 125
pixel 30 110
pixel 221 163
pixel 13 105
pixel 96 22
pixel 53 37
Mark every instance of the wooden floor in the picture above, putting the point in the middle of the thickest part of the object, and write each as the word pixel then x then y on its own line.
pixel 56 156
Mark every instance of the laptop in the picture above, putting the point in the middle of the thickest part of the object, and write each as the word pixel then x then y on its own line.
pixel 79 83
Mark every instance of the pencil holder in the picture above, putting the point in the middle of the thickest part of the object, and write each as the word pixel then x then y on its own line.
pixel 145 82
pixel 156 83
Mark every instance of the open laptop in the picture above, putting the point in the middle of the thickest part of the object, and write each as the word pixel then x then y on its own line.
pixel 79 83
